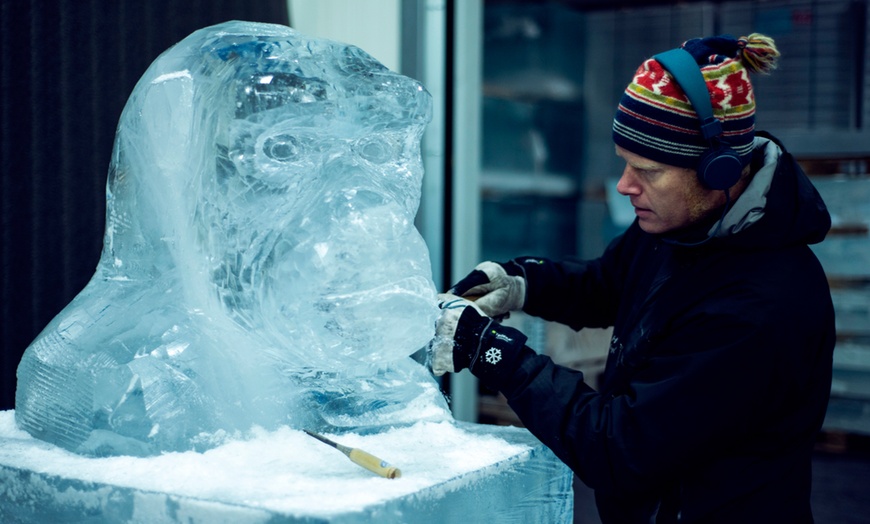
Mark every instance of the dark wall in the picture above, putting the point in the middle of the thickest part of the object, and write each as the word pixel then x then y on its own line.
pixel 66 70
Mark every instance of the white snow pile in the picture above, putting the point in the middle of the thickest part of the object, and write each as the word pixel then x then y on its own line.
pixel 284 470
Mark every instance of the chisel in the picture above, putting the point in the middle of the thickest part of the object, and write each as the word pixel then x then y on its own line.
pixel 360 457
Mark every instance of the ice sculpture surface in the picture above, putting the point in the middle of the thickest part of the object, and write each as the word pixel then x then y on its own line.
pixel 260 263
pixel 452 472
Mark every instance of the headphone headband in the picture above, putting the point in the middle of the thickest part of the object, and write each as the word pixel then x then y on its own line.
pixel 686 72
pixel 719 167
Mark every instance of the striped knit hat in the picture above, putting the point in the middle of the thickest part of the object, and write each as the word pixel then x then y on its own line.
pixel 655 119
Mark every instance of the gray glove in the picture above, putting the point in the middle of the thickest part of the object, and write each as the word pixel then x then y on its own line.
pixel 501 287
pixel 465 338
pixel 442 356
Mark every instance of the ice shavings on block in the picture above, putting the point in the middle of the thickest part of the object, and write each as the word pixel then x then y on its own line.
pixel 283 471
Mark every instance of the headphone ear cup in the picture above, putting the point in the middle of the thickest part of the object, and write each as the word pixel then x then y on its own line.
pixel 719 167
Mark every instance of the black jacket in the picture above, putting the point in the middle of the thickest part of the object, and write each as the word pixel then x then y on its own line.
pixel 719 369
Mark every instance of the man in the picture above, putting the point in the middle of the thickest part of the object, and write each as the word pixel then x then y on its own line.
pixel 719 368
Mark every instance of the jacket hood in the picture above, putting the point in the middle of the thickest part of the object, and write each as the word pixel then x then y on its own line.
pixel 779 207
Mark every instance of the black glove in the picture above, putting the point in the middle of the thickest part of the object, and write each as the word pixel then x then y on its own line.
pixel 466 338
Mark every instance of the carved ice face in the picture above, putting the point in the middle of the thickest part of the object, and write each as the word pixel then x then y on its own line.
pixel 303 200
pixel 320 184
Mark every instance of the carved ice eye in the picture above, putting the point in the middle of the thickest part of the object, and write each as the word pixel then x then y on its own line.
pixel 376 150
pixel 281 148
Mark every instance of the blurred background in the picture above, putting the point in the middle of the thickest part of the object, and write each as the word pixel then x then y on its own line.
pixel 518 157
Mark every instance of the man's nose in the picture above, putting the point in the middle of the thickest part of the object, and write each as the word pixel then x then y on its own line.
pixel 628 184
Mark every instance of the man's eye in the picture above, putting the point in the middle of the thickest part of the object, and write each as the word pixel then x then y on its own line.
pixel 647 173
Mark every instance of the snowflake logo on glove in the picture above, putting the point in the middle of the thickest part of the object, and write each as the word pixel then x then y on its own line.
pixel 493 356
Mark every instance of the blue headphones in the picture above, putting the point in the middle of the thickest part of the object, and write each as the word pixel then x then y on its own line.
pixel 719 167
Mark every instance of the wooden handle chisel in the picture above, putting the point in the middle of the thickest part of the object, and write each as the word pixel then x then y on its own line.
pixel 362 458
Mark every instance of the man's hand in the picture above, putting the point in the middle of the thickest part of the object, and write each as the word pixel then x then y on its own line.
pixel 501 287
pixel 448 354
pixel 466 338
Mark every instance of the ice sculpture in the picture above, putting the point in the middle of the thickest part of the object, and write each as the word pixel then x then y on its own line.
pixel 260 263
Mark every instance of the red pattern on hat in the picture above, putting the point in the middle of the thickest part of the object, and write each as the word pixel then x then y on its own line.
pixel 729 88
pixel 656 120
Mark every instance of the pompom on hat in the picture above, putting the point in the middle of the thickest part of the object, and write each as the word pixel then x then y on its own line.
pixel 656 120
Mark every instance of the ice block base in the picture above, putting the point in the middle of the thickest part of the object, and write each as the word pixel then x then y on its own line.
pixel 285 476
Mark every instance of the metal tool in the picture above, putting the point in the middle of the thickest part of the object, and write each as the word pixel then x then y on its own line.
pixel 360 457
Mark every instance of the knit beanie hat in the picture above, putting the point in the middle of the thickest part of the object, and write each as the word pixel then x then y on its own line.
pixel 656 120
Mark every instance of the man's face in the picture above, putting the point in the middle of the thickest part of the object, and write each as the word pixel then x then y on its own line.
pixel 665 198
